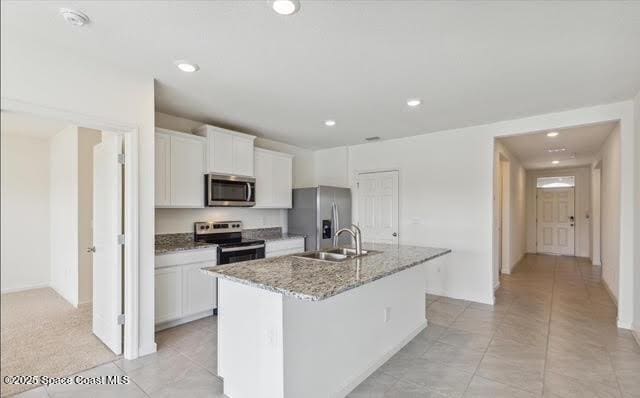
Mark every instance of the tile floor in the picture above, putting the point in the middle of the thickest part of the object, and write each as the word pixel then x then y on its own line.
pixel 552 333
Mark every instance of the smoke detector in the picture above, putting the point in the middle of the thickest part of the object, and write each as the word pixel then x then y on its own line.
pixel 75 18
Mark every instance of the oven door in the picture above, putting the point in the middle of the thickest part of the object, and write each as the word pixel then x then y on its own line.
pixel 228 255
pixel 230 191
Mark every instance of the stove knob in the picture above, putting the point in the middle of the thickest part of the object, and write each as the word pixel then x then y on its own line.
pixel 202 227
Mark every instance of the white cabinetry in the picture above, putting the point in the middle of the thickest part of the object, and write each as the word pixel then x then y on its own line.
pixel 179 169
pixel 230 152
pixel 183 292
pixel 273 179
pixel 168 294
pixel 284 247
pixel 198 289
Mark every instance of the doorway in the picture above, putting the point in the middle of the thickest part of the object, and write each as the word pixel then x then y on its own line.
pixel 378 207
pixel 62 284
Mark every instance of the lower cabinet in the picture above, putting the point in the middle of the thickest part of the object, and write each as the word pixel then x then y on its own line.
pixel 168 294
pixel 198 289
pixel 183 293
pixel 284 247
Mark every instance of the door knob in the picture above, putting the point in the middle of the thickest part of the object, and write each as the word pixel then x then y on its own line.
pixel 395 234
pixel 91 249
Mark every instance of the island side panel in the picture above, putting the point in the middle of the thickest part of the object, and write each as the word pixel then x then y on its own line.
pixel 250 348
pixel 331 346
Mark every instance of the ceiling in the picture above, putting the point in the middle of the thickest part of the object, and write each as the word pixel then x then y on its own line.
pixel 29 125
pixel 581 144
pixel 356 62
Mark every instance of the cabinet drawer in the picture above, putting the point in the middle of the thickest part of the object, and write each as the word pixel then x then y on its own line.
pixel 285 245
pixel 207 255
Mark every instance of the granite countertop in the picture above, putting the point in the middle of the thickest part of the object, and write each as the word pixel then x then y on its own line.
pixel 171 243
pixel 314 280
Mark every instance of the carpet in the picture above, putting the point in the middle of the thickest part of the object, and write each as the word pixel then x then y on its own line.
pixel 43 335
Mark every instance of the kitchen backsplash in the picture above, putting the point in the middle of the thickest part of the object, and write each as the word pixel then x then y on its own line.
pixel 171 221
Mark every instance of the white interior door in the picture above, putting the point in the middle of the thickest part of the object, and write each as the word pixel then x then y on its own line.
pixel 556 222
pixel 107 252
pixel 378 206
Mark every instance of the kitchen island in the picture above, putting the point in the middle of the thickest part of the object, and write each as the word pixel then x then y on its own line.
pixel 297 327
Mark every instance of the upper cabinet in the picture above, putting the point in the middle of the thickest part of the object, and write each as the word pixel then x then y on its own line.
pixel 180 165
pixel 273 179
pixel 229 152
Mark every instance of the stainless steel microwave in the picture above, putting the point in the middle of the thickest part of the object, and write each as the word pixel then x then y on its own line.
pixel 230 191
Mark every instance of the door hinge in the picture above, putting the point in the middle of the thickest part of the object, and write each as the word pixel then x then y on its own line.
pixel 121 319
pixel 121 158
pixel 121 239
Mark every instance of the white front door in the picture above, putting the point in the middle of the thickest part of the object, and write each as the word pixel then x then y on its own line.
pixel 107 251
pixel 556 222
pixel 378 206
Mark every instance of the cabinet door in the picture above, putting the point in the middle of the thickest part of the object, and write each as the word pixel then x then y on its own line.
pixel 281 185
pixel 220 152
pixel 187 172
pixel 198 289
pixel 242 156
pixel 162 169
pixel 168 294
pixel 264 180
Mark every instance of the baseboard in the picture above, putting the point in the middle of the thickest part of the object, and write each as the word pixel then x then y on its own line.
pixel 169 324
pixel 355 382
pixel 609 292
pixel 624 325
pixel 496 286
pixel 636 332
pixel 147 349
pixel 23 288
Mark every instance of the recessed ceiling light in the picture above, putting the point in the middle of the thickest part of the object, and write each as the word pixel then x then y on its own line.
pixel 414 102
pixel 555 161
pixel 75 18
pixel 187 66
pixel 330 123
pixel 553 150
pixel 552 134
pixel 285 7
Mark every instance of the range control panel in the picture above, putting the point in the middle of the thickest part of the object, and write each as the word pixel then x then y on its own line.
pixel 214 227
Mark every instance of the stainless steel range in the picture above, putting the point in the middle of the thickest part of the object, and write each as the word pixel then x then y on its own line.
pixel 232 248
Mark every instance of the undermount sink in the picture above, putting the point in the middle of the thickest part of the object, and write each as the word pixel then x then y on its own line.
pixel 350 252
pixel 334 255
pixel 323 256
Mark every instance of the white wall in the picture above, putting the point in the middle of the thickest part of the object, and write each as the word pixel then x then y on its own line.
pixel 331 167
pixel 610 211
pixel 515 206
pixel 446 194
pixel 25 204
pixel 87 139
pixel 63 199
pixel 582 209
pixel 69 86
pixel 171 221
pixel 445 200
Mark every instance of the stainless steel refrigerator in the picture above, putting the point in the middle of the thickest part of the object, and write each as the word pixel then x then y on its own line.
pixel 318 213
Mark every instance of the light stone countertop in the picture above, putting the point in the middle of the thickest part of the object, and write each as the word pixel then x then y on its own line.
pixel 171 243
pixel 315 280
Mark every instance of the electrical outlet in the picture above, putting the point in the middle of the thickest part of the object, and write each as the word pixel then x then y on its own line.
pixel 387 314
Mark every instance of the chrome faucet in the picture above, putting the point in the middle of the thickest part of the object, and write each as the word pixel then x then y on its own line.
pixel 355 233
